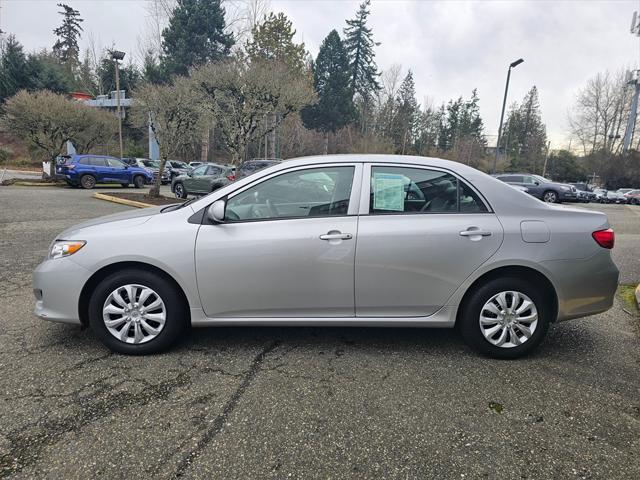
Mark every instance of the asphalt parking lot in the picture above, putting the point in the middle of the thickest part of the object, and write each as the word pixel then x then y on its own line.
pixel 306 402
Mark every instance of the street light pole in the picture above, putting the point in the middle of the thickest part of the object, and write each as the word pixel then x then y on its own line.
pixel 117 56
pixel 504 104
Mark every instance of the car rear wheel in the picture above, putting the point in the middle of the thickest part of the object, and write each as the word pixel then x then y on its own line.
pixel 550 196
pixel 88 181
pixel 137 312
pixel 179 190
pixel 138 181
pixel 505 318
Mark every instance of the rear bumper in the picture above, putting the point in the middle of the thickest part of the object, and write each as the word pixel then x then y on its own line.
pixel 584 287
pixel 57 285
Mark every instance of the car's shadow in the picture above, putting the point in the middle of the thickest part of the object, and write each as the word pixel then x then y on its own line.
pixel 564 340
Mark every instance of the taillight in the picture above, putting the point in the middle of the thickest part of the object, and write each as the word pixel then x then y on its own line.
pixel 231 178
pixel 604 238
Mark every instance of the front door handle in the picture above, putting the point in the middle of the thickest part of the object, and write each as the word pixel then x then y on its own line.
pixel 336 236
pixel 475 232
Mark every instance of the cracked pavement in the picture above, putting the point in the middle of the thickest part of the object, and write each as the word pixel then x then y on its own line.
pixel 305 402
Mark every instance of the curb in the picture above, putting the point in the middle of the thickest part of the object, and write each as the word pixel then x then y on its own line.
pixel 35 184
pixel 130 203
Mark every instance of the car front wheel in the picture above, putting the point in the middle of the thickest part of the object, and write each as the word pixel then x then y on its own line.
pixel 137 312
pixel 138 181
pixel 505 318
pixel 179 190
pixel 550 196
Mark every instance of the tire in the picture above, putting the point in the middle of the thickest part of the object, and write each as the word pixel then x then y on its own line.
pixel 179 190
pixel 469 322
pixel 88 182
pixel 139 340
pixel 550 197
pixel 125 185
pixel 138 181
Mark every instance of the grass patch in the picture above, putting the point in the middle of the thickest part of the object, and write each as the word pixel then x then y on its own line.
pixel 627 293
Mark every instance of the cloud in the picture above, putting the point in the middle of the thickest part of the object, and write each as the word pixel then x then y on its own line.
pixel 451 46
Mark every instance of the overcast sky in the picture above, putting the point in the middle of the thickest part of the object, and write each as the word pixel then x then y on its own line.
pixel 451 46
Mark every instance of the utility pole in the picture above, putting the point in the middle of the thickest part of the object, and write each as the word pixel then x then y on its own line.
pixel 117 56
pixel 633 80
pixel 546 158
pixel 504 104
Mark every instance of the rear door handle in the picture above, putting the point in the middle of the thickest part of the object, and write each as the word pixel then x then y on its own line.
pixel 336 236
pixel 473 233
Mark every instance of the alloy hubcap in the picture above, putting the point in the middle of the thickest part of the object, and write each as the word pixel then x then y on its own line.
pixel 550 198
pixel 134 313
pixel 508 319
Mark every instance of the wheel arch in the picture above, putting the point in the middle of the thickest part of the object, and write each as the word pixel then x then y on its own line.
pixel 105 271
pixel 530 274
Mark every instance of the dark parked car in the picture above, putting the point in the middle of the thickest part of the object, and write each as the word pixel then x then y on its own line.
pixel 633 197
pixel 202 180
pixel 585 194
pixel 251 166
pixel 540 187
pixel 176 168
pixel 87 170
pixel 153 167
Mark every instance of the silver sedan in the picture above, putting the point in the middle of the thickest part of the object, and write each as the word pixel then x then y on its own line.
pixel 352 240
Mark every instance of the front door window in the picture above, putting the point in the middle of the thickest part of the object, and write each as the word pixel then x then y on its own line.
pixel 314 192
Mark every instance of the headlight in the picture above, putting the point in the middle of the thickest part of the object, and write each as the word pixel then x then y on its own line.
pixel 64 248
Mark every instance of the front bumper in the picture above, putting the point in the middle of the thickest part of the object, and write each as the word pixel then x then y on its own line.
pixel 57 285
pixel 568 196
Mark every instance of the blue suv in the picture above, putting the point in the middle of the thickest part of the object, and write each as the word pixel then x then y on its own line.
pixel 87 170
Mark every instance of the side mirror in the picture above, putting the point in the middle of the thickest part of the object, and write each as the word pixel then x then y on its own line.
pixel 215 213
pixel 190 174
pixel 536 182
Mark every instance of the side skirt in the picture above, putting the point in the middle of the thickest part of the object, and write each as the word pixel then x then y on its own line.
pixel 443 318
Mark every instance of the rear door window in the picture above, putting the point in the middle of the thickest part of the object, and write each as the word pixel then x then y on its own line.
pixel 419 190
pixel 98 162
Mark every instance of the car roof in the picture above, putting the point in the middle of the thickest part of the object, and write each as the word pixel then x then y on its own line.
pixel 82 155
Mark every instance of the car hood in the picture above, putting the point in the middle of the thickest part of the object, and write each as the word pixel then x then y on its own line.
pixel 128 218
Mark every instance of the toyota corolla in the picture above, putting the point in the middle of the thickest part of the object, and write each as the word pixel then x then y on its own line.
pixel 353 240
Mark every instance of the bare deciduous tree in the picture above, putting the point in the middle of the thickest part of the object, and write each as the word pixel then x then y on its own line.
pixel 174 114
pixel 599 115
pixel 46 121
pixel 239 95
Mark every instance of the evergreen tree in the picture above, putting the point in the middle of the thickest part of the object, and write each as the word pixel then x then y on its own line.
pixel 66 46
pixel 48 73
pixel 195 35
pixel 273 40
pixel 406 116
pixel 359 44
pixel 14 69
pixel 334 109
pixel 525 135
pixel 106 73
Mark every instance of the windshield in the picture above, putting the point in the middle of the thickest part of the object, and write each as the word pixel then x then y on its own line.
pixel 175 164
pixel 151 163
